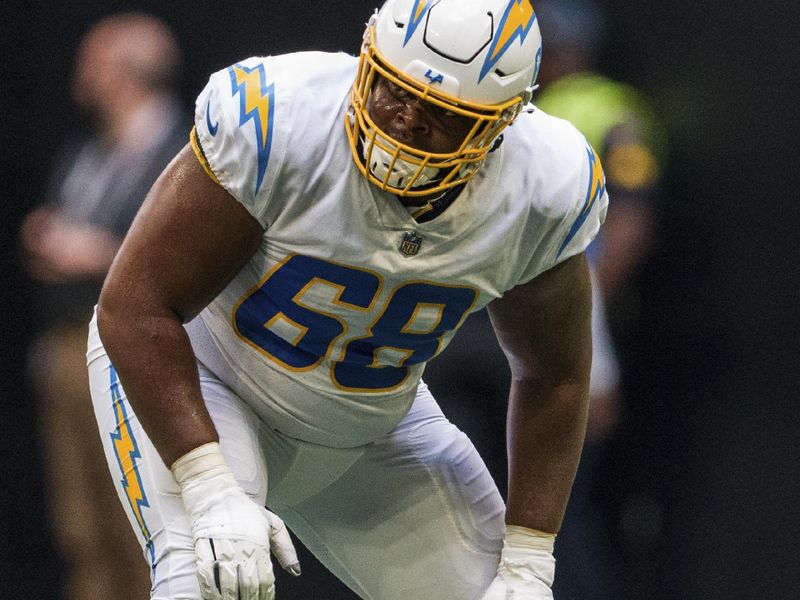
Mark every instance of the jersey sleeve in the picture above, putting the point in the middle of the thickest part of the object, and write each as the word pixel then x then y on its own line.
pixel 575 208
pixel 582 223
pixel 239 132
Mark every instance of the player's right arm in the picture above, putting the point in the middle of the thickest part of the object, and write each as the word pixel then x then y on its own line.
pixel 199 226
pixel 188 241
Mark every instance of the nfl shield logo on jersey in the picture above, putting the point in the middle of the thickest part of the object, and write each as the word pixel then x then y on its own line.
pixel 411 243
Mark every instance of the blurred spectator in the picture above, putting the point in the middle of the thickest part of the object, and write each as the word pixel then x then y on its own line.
pixel 123 83
pixel 585 560
pixel 617 120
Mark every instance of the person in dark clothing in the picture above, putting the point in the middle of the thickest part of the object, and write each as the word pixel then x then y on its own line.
pixel 123 81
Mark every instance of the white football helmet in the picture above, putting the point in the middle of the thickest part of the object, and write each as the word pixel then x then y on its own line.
pixel 476 58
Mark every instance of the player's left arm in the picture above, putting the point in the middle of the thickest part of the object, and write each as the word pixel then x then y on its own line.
pixel 544 328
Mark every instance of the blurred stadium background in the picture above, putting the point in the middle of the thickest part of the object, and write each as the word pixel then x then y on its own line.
pixel 703 492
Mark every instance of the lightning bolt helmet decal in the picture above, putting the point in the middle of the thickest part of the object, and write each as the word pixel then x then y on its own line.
pixel 516 22
pixel 418 12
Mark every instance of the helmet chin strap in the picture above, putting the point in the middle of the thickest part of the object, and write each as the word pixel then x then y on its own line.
pixel 378 161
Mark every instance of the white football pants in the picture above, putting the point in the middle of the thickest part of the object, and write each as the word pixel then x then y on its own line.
pixel 412 516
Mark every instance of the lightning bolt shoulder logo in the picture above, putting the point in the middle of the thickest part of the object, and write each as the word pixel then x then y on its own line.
pixel 595 189
pixel 256 103
pixel 516 22
pixel 127 453
pixel 418 12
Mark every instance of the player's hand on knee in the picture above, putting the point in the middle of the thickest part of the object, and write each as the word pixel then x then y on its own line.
pixel 526 567
pixel 281 545
pixel 233 535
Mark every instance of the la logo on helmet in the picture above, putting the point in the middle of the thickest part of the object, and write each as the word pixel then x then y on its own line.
pixel 434 77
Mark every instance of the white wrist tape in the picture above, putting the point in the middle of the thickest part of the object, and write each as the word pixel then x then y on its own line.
pixel 533 539
pixel 204 461
pixel 207 482
pixel 528 553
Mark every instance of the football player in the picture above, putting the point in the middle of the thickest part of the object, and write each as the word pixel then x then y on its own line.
pixel 261 336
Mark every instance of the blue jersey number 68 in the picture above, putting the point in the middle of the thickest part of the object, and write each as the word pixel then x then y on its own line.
pixel 377 361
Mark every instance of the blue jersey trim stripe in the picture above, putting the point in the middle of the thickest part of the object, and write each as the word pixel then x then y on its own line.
pixel 594 190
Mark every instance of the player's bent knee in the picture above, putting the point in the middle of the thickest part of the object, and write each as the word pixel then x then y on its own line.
pixel 471 495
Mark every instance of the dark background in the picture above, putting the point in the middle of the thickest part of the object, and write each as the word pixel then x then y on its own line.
pixel 703 491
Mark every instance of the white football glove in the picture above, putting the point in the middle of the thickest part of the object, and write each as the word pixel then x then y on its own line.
pixel 526 566
pixel 232 534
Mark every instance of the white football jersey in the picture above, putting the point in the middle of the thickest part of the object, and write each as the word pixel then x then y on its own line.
pixel 326 331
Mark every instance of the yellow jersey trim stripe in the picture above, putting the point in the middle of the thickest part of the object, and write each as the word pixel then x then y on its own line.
pixel 201 156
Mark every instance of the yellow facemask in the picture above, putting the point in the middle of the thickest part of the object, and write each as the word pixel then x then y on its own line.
pixel 402 169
